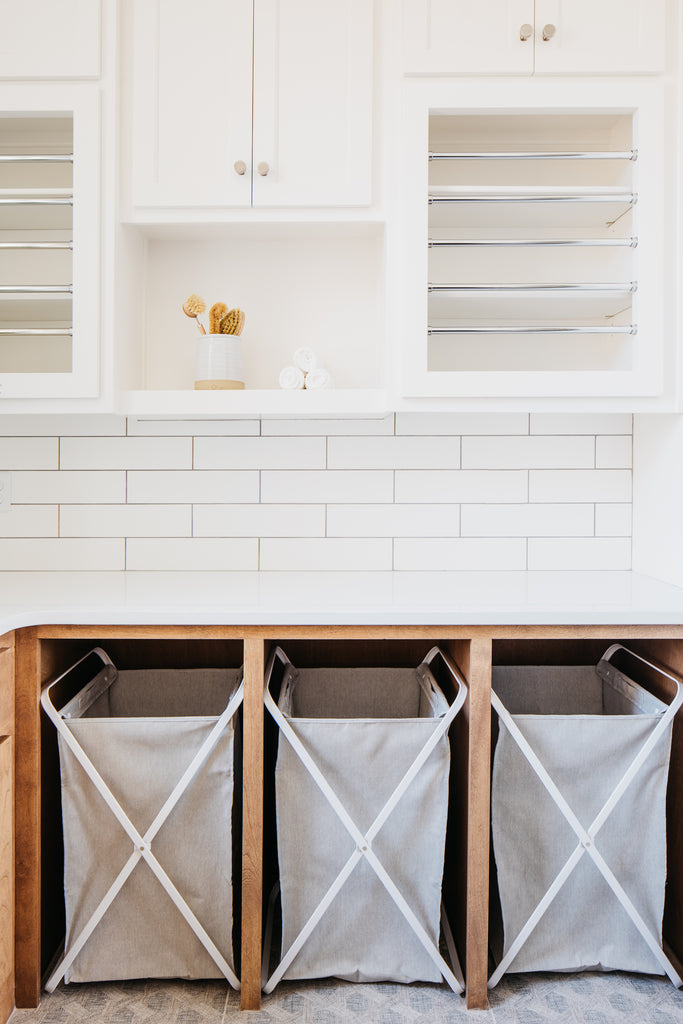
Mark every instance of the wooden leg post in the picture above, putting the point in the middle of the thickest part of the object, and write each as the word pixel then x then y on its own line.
pixel 27 822
pixel 252 827
pixel 478 824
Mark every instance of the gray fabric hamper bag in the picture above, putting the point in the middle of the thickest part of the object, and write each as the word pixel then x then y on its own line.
pixel 575 822
pixel 148 755
pixel 360 730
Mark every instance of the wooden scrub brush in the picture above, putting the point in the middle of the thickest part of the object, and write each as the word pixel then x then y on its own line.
pixel 233 322
pixel 216 314
pixel 192 307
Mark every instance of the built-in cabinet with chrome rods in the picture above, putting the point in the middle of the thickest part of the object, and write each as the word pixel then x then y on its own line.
pixel 35 219
pixel 518 206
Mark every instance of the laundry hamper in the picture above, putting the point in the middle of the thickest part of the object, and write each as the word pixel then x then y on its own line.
pixel 578 808
pixel 147 774
pixel 361 791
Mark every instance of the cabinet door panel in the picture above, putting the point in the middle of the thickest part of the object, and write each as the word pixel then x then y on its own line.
pixel 191 103
pixel 44 39
pixel 312 102
pixel 605 37
pixel 458 37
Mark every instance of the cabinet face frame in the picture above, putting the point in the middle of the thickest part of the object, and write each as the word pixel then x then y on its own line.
pixel 82 102
pixel 653 346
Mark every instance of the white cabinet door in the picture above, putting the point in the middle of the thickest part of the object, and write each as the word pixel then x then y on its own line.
pixel 609 37
pixel 312 102
pixel 462 37
pixel 190 103
pixel 45 39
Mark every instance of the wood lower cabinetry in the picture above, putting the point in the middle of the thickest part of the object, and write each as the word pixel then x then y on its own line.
pixel 6 826
pixel 42 652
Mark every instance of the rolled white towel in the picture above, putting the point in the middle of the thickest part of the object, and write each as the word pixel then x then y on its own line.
pixel 291 378
pixel 306 359
pixel 317 379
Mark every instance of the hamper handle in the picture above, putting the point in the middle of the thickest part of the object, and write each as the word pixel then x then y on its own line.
pixel 458 678
pixel 277 652
pixel 88 693
pixel 677 700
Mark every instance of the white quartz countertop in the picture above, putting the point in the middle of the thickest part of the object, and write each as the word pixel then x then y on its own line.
pixel 339 598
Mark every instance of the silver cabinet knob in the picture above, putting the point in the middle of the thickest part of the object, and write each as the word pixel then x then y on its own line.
pixel 240 167
pixel 548 32
pixel 525 32
pixel 262 168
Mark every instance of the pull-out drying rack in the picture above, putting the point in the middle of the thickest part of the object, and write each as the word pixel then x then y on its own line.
pixel 21 213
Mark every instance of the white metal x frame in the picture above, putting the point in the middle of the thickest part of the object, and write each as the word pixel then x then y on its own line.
pixel 587 836
pixel 364 841
pixel 142 844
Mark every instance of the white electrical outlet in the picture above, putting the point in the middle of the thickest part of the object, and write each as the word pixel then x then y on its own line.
pixel 5 491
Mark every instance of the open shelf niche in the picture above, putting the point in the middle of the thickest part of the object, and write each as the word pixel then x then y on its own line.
pixel 300 284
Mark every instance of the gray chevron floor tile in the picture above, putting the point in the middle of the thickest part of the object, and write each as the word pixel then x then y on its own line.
pixel 518 999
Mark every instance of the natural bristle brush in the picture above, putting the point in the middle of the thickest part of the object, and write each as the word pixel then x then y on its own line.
pixel 192 307
pixel 233 322
pixel 216 314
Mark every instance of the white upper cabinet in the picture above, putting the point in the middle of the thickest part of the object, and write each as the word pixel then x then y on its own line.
pixel 190 103
pixel 48 39
pixel 520 37
pixel 610 37
pixel 212 127
pixel 312 102
pixel 458 37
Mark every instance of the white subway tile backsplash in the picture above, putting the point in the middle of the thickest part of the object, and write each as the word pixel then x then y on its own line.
pixel 126 453
pixel 580 485
pixel 200 554
pixel 439 423
pixel 193 486
pixel 63 486
pixel 411 492
pixel 528 452
pixel 393 520
pixel 341 485
pixel 191 428
pixel 125 521
pixel 581 423
pixel 29 453
pixel 30 521
pixel 259 521
pixel 259 453
pixel 567 553
pixel 613 520
pixel 62 554
pixel 614 451
pixel 361 555
pixel 393 453
pixel 46 425
pixel 460 554
pixel 539 520
pixel 471 485
pixel 327 428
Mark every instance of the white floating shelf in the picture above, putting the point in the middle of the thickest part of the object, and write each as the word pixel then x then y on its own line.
pixel 324 403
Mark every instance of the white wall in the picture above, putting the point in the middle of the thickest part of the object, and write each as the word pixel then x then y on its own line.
pixel 658 497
